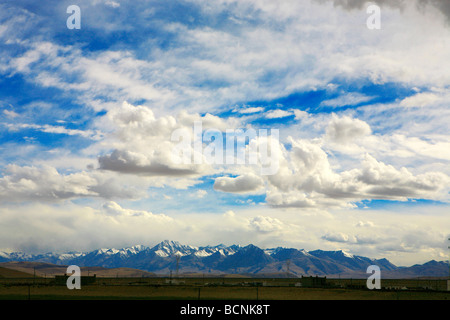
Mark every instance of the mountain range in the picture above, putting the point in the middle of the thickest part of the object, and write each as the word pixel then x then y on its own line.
pixel 172 257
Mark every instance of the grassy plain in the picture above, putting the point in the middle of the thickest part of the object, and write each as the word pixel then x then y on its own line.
pixel 219 289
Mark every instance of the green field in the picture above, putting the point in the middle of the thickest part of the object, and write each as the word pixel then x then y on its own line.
pixel 221 289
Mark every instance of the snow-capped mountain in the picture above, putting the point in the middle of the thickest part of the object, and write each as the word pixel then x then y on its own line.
pixel 169 256
pixel 169 248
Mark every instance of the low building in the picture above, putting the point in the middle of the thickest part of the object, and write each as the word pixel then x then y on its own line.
pixel 175 281
pixel 85 280
pixel 313 282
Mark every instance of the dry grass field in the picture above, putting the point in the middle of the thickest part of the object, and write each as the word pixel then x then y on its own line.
pixel 26 282
pixel 42 269
pixel 11 273
pixel 196 289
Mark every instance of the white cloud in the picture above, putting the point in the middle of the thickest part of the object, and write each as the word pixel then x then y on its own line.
pixel 45 183
pixel 208 121
pixel 146 164
pixel 348 99
pixel 112 4
pixel 114 209
pixel 289 199
pixel 10 113
pixel 345 129
pixel 420 100
pixel 385 181
pixel 230 66
pixel 338 237
pixel 307 179
pixel 278 113
pixel 137 143
pixel 90 134
pixel 30 183
pixel 199 194
pixel 266 224
pixel 364 224
pixel 143 143
pixel 300 115
pixel 248 110
pixel 249 183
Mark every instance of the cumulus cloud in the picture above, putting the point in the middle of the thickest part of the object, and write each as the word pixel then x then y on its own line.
pixel 143 142
pixel 114 209
pixel 31 183
pixel 289 199
pixel 45 183
pixel 305 176
pixel 345 129
pixel 307 179
pixel 385 181
pixel 248 183
pixel 354 240
pixel 338 237
pixel 187 145
pixel 266 224
pixel 138 163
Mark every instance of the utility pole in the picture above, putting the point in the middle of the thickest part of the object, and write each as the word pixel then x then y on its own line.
pixel 178 262
pixel 288 262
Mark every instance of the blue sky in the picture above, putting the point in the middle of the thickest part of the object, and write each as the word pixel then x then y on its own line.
pixel 87 118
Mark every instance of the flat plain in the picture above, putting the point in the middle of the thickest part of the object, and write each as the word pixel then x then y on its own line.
pixel 159 288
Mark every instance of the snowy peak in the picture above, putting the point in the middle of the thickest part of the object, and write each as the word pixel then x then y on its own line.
pixel 203 253
pixel 282 251
pixel 345 254
pixel 221 248
pixel 218 259
pixel 168 248
pixel 304 252
pixel 123 252
pixel 135 249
